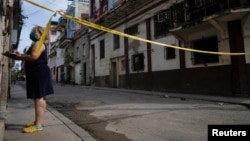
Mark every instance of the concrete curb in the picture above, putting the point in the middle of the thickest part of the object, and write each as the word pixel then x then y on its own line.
pixel 232 100
pixel 71 125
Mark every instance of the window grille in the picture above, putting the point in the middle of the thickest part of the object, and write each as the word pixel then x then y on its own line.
pixel 169 53
pixel 138 62
pixel 208 44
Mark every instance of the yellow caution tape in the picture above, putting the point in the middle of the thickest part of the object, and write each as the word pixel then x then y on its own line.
pixel 102 28
pixel 44 35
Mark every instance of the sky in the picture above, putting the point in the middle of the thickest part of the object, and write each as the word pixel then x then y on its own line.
pixel 38 16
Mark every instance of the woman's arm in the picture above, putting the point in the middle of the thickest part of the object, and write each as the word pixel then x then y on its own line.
pixel 35 53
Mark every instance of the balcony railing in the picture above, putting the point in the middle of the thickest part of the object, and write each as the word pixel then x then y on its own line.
pixel 205 8
pixel 193 11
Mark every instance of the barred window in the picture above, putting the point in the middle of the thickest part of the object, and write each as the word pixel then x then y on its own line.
pixel 116 42
pixel 169 53
pixel 207 44
pixel 138 62
pixel 162 23
pixel 132 30
pixel 102 49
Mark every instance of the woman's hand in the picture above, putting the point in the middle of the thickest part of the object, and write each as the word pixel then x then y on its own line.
pixel 18 55
pixel 16 52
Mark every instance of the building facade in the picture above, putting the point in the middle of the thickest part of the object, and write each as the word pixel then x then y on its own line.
pixel 81 46
pixel 210 25
pixel 52 50
pixel 11 21
pixel 81 57
pixel 67 68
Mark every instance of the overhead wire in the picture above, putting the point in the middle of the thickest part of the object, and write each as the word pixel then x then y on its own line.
pixel 47 3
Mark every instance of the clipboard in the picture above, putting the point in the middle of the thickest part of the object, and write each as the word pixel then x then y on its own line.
pixel 10 55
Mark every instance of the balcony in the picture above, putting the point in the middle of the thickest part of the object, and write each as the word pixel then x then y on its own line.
pixel 191 12
pixel 64 41
pixel 52 51
pixel 121 9
pixel 62 22
pixel 189 15
pixel 197 11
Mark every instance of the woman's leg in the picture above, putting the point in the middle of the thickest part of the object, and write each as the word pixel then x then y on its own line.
pixel 40 107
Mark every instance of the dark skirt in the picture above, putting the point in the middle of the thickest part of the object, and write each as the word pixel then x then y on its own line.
pixel 38 82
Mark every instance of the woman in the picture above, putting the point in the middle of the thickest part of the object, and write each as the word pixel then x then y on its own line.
pixel 38 79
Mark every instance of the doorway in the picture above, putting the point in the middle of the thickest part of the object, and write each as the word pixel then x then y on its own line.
pixel 114 75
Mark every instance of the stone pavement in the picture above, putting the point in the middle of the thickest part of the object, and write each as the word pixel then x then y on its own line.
pixel 57 127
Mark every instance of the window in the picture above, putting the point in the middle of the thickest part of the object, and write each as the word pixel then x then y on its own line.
pixel 138 62
pixel 162 23
pixel 102 49
pixel 116 42
pixel 208 44
pixel 169 53
pixel 83 50
pixel 132 30
pixel 77 52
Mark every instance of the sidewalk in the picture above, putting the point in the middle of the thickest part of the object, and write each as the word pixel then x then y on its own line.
pixel 57 127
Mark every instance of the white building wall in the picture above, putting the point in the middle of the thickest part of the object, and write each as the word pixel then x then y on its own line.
pixel 159 62
pixel 52 65
pixel 59 61
pixel 103 65
pixel 81 8
pixel 77 73
pixel 142 47
pixel 82 56
pixel 52 38
pixel 59 57
pixel 118 52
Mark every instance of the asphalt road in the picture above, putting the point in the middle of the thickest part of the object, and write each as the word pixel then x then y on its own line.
pixel 110 115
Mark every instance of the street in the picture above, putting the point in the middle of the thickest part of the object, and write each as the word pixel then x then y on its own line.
pixel 113 115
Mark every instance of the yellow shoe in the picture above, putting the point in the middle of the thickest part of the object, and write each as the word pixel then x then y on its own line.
pixel 33 129
pixel 29 124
